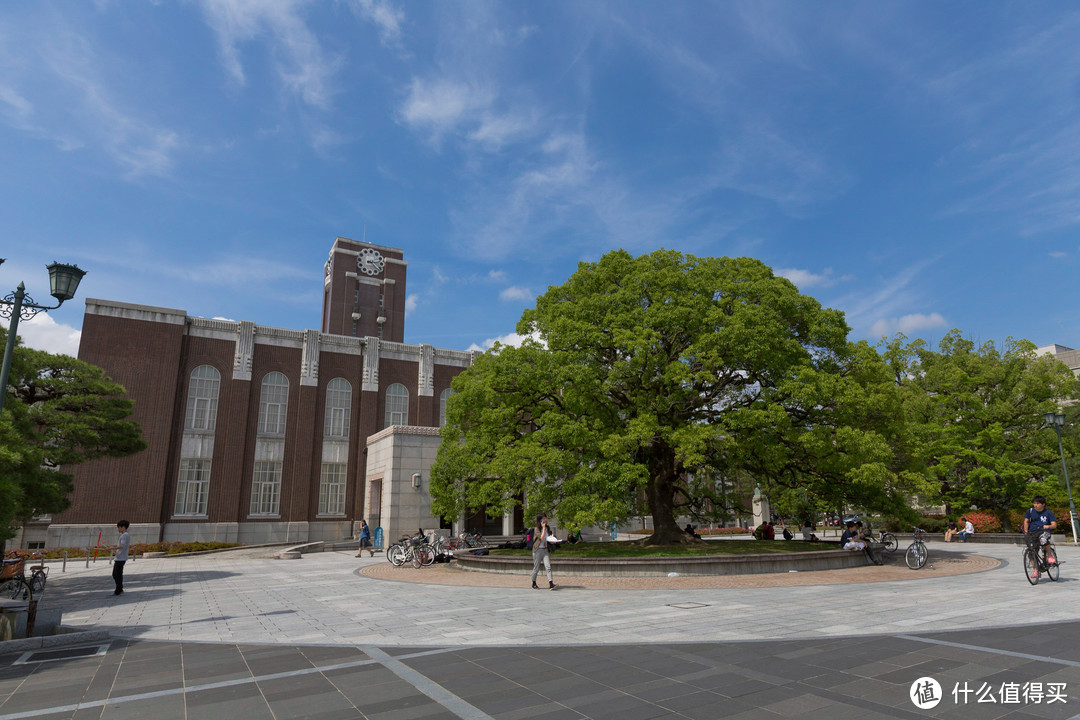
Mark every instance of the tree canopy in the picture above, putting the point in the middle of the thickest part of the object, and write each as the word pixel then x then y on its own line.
pixel 976 416
pixel 668 378
pixel 59 412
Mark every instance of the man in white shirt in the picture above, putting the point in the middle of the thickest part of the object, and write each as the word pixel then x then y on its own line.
pixel 121 556
pixel 967 532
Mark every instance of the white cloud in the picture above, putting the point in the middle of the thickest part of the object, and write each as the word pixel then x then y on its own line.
pixel 41 332
pixel 516 292
pixel 385 16
pixel 805 279
pixel 907 324
pixel 512 339
pixel 1059 254
pixel 411 301
pixel 301 64
pixel 496 275
pixel 440 106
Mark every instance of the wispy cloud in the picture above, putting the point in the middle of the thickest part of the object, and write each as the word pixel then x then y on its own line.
pixel 385 16
pixel 907 324
pixel 411 302
pixel 892 304
pixel 441 105
pixel 516 292
pixel 302 66
pixel 40 65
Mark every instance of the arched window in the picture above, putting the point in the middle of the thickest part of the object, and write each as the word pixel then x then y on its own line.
pixel 273 404
pixel 202 399
pixel 338 403
pixel 397 405
pixel 444 397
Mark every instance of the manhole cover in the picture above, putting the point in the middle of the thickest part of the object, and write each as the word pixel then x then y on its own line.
pixel 67 653
pixel 687 605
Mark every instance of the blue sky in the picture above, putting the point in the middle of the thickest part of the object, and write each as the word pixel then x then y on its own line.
pixel 914 164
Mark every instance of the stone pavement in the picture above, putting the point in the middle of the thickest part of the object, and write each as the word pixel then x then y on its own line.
pixel 229 636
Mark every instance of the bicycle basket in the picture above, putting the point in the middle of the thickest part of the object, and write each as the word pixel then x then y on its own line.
pixel 12 568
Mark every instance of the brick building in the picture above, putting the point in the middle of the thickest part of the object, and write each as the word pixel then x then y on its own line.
pixel 259 434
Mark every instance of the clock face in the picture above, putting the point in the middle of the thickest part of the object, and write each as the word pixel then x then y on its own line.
pixel 370 261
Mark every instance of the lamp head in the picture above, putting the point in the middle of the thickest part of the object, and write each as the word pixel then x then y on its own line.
pixel 1054 418
pixel 64 280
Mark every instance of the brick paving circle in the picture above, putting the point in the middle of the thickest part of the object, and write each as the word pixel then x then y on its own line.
pixel 942 563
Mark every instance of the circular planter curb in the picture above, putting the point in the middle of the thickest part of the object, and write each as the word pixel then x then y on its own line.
pixel 662 566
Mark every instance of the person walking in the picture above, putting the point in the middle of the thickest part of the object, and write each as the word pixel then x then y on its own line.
pixel 122 546
pixel 543 541
pixel 365 540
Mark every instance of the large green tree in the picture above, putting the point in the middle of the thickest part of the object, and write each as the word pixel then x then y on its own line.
pixel 976 416
pixel 59 412
pixel 667 378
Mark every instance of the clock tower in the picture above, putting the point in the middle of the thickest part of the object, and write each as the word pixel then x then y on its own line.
pixel 364 291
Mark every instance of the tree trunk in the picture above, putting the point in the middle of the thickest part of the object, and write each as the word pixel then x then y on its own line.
pixel 661 496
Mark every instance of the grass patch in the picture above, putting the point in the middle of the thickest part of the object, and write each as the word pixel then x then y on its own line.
pixel 634 549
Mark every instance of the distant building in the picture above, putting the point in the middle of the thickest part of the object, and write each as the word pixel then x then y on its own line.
pixel 1065 354
pixel 261 434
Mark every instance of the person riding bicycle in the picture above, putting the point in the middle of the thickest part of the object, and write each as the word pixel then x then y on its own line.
pixel 1039 522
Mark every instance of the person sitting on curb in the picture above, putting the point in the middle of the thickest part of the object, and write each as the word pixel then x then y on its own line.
pixel 853 540
pixel 967 532
pixel 950 533
pixel 808 532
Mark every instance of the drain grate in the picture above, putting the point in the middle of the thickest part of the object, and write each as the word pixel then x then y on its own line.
pixel 687 605
pixel 67 653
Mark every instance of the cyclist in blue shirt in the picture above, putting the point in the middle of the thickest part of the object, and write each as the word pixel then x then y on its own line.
pixel 1039 522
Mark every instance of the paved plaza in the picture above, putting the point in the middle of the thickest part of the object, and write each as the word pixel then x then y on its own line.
pixel 332 636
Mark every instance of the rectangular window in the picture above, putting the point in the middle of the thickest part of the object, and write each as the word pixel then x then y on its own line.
pixel 266 488
pixel 332 489
pixel 337 422
pixel 193 487
pixel 272 421
pixel 200 414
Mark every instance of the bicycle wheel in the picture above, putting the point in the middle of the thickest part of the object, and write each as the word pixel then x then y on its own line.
pixel 915 557
pixel 1031 567
pixel 1052 571
pixel 16 589
pixel 889 541
pixel 414 555
pixel 426 554
pixel 396 555
pixel 37 582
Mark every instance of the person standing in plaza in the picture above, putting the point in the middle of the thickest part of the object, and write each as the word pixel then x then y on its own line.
pixel 543 541
pixel 122 546
pixel 365 540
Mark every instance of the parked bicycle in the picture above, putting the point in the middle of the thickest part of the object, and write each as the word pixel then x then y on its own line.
pixel 474 540
pixel 15 584
pixel 917 555
pixel 413 549
pixel 1040 560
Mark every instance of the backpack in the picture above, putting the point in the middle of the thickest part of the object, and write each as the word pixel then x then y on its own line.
pixel 788 535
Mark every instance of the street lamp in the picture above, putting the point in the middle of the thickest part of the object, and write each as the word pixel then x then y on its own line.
pixel 1056 421
pixel 63 282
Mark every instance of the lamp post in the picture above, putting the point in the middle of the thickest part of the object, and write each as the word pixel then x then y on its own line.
pixel 63 282
pixel 1056 421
